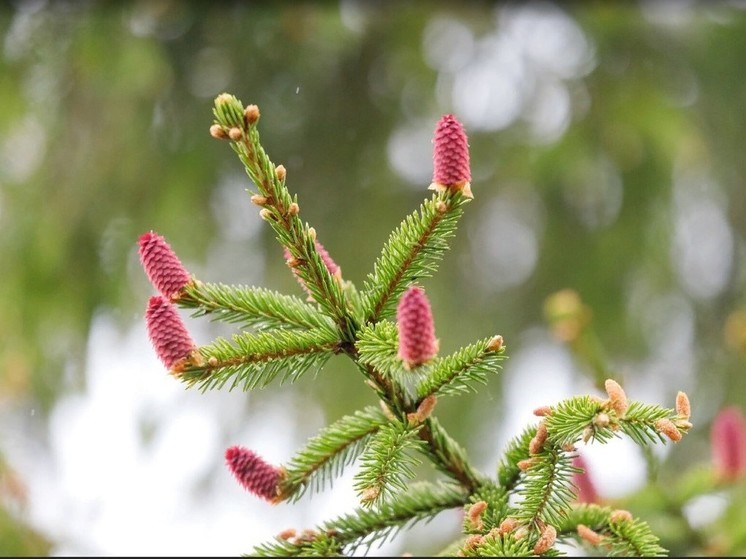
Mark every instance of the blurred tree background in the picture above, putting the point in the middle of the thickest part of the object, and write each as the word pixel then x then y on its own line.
pixel 607 157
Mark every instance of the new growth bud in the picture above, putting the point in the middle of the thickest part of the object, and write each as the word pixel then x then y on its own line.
pixel 414 320
pixel 235 133
pixel 254 474
pixel 617 397
pixel 475 515
pixel 163 268
pixel 216 131
pixel 537 443
pixel 167 332
pixel 668 428
pixel 495 344
pixel 546 540
pixel 251 114
pixel 451 170
pixel 683 407
pixel 591 536
pixel 424 410
pixel 280 172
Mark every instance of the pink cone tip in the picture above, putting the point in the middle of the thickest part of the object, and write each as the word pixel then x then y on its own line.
pixel 167 332
pixel 417 342
pixel 253 473
pixel 728 443
pixel 163 268
pixel 451 167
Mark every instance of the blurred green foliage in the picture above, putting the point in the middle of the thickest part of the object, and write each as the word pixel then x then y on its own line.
pixel 104 117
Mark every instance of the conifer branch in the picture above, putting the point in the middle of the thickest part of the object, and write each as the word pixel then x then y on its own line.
pixel 412 251
pixel 366 526
pixel 640 419
pixel 251 306
pixel 448 456
pixel 255 359
pixel 326 454
pixel 612 532
pixel 377 347
pixel 585 417
pixel 496 498
pixel 280 210
pixel 457 373
pixel 386 463
pixel 546 490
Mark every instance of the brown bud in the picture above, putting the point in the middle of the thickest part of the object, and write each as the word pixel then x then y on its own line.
pixel 280 172
pixel 617 397
pixel 683 408
pixel 507 525
pixel 265 214
pixel 287 534
pixel 251 114
pixel 423 410
pixel 667 427
pixel 370 494
pixel 546 540
pixel 235 133
pixel 472 541
pixel 216 131
pixel 543 411
pixel 294 208
pixel 495 344
pixel 620 515
pixel 591 536
pixel 258 199
pixel 475 514
pixel 526 463
pixel 601 420
pixel 537 443
pixel 441 207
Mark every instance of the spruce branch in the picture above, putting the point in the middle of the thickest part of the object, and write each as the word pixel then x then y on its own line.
pixel 412 251
pixel 459 372
pixel 281 210
pixel 255 359
pixel 615 533
pixel 251 307
pixel 448 456
pixel 546 491
pixel 366 526
pixel 325 455
pixel 377 347
pixel 586 417
pixel 387 462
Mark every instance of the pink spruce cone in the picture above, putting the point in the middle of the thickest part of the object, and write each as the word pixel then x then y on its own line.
pixel 251 471
pixel 163 268
pixel 586 489
pixel 728 443
pixel 414 318
pixel 167 332
pixel 451 168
